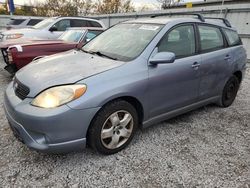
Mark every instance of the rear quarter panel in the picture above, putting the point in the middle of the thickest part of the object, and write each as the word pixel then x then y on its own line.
pixel 239 59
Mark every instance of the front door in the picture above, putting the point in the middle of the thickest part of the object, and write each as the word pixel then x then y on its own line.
pixel 175 85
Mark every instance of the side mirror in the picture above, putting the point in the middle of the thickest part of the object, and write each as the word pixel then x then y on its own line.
pixel 53 28
pixel 162 58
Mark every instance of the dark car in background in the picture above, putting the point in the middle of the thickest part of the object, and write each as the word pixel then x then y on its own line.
pixel 18 53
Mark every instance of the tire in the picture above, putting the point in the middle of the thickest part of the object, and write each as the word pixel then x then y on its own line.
pixel 230 91
pixel 113 128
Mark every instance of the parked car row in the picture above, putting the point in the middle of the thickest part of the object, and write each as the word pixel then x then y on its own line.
pixel 132 75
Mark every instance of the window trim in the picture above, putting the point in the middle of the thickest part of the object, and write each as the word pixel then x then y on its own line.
pixel 193 24
pixel 225 44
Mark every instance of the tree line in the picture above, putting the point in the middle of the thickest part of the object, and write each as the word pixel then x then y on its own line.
pixel 72 8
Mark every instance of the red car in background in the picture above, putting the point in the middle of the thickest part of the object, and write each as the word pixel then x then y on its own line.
pixel 18 53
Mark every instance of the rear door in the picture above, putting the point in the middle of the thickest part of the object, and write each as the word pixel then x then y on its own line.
pixel 215 59
pixel 175 85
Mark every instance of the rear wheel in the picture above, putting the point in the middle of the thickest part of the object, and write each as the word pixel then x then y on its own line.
pixel 113 127
pixel 229 92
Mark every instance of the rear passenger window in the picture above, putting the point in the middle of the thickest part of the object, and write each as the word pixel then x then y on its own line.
pixel 180 41
pixel 34 22
pixel 210 38
pixel 93 24
pixel 232 37
pixel 78 23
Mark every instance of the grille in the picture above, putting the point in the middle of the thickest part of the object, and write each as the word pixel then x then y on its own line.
pixel 20 89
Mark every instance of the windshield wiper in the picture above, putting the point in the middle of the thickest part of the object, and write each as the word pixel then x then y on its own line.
pixel 89 52
pixel 104 55
pixel 99 54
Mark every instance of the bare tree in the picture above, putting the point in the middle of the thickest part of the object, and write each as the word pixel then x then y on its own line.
pixel 63 7
pixel 113 6
pixel 167 3
pixel 81 7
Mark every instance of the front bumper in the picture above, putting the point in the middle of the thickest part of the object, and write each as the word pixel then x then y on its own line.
pixel 56 130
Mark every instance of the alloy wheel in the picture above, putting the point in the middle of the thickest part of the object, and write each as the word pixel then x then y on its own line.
pixel 117 129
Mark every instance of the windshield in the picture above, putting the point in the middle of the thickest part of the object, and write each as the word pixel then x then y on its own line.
pixel 72 35
pixel 44 23
pixel 124 41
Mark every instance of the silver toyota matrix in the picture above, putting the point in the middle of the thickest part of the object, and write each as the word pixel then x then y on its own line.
pixel 133 75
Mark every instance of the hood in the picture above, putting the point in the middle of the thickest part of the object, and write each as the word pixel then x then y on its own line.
pixel 26 41
pixel 45 42
pixel 63 68
pixel 14 31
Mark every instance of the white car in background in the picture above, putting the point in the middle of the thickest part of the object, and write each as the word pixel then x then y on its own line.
pixel 50 28
pixel 23 22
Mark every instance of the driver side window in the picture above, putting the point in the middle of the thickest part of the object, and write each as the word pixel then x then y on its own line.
pixel 62 25
pixel 180 41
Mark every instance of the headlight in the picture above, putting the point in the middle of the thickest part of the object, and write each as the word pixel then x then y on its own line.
pixel 59 95
pixel 14 36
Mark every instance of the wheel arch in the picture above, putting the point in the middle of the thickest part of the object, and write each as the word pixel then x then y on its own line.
pixel 135 102
pixel 238 74
pixel 132 100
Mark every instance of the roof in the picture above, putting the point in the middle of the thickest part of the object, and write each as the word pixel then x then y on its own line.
pixel 87 28
pixel 158 20
pixel 165 20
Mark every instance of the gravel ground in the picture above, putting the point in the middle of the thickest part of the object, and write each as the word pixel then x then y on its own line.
pixel 209 147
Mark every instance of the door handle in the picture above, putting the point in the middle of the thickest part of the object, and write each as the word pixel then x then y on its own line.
pixel 196 65
pixel 227 57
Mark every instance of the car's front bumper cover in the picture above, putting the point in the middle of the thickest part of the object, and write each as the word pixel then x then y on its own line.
pixel 56 130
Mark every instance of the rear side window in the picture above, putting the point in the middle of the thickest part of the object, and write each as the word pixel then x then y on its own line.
pixel 78 23
pixel 16 21
pixel 180 41
pixel 93 24
pixel 34 21
pixel 211 38
pixel 232 37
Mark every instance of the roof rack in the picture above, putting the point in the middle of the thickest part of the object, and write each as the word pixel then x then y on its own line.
pixel 225 21
pixel 200 17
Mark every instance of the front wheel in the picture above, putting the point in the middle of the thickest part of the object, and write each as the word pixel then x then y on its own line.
pixel 113 127
pixel 229 92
